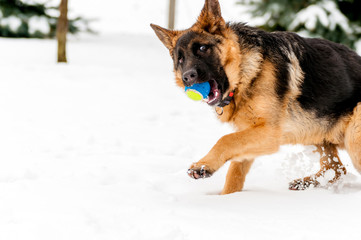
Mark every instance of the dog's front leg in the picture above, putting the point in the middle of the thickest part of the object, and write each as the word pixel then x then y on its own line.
pixel 236 176
pixel 247 144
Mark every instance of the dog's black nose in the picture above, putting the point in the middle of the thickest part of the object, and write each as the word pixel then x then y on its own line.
pixel 190 77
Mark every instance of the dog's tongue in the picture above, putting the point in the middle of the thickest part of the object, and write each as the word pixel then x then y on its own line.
pixel 214 94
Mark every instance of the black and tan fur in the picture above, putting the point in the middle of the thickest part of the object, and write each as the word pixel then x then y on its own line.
pixel 287 90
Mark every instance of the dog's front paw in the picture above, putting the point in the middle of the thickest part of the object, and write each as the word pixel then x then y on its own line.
pixel 201 171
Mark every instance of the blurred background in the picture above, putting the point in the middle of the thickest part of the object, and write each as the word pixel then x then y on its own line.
pixel 336 20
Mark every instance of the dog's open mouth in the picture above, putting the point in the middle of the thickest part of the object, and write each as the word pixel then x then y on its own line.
pixel 215 94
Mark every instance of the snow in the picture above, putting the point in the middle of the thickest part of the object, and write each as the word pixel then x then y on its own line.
pixel 99 149
pixel 358 47
pixel 39 24
pixel 337 17
pixel 121 16
pixel 12 22
pixel 324 12
pixel 309 16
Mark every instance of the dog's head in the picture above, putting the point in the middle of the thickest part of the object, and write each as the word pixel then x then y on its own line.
pixel 202 52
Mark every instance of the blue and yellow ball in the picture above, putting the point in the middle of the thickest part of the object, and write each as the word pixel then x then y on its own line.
pixel 198 91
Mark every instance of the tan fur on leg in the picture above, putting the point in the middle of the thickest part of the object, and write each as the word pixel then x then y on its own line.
pixel 247 144
pixel 353 138
pixel 236 176
pixel 329 161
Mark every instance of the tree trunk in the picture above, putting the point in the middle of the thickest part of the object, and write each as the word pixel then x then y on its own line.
pixel 171 17
pixel 62 30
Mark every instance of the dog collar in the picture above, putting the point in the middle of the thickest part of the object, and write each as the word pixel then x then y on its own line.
pixel 227 100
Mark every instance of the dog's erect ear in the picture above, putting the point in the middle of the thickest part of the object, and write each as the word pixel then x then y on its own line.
pixel 212 7
pixel 165 35
pixel 210 18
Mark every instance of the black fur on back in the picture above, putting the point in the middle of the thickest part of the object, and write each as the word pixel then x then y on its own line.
pixel 332 83
pixel 332 72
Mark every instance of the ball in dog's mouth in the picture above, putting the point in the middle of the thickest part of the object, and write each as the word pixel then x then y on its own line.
pixel 198 91
pixel 215 94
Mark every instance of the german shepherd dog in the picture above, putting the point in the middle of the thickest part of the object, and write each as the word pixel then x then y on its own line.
pixel 275 88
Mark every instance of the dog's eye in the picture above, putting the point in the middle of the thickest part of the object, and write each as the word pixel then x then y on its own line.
pixel 180 57
pixel 203 48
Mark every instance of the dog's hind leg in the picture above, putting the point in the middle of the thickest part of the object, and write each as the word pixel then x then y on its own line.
pixel 236 176
pixel 353 138
pixel 331 169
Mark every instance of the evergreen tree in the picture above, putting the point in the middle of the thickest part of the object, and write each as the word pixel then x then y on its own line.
pixel 336 20
pixel 20 19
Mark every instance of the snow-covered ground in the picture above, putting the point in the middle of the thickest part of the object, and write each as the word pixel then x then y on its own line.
pixel 99 149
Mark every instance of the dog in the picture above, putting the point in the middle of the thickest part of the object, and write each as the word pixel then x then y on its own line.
pixel 275 88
